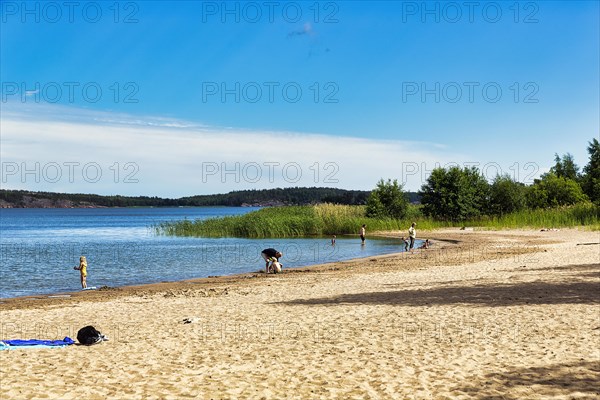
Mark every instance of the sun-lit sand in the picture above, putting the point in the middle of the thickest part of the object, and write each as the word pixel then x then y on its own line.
pixel 487 315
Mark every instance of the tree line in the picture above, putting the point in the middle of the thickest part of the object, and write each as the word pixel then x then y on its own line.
pixel 459 194
pixel 278 196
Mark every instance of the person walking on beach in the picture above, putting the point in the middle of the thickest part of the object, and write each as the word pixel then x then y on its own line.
pixel 82 268
pixel 271 256
pixel 363 232
pixel 412 234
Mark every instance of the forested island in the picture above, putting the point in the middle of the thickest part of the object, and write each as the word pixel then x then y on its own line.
pixel 242 198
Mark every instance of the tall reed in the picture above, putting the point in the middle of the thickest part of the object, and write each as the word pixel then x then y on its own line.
pixel 330 219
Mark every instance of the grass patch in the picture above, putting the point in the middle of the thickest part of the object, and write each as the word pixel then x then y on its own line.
pixel 330 219
pixel 583 214
pixel 293 221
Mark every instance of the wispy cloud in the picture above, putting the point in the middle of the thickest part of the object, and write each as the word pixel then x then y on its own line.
pixel 177 158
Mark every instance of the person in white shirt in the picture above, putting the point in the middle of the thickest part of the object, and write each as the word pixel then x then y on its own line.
pixel 412 234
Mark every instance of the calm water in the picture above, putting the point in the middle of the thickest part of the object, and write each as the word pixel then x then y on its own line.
pixel 40 247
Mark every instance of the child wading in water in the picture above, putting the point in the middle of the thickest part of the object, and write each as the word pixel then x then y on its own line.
pixel 405 243
pixel 82 268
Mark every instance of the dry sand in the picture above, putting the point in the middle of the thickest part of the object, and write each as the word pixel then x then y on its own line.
pixel 485 315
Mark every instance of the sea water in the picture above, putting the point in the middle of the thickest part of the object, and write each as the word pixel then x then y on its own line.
pixel 40 247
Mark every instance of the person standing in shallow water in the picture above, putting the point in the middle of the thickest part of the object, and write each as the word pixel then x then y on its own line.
pixel 82 268
pixel 405 243
pixel 363 232
pixel 412 234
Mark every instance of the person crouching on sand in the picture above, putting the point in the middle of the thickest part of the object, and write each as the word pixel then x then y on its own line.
pixel 275 267
pixel 82 268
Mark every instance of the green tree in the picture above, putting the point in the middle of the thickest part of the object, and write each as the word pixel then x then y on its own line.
pixel 455 194
pixel 506 195
pixel 565 167
pixel 590 180
pixel 387 200
pixel 554 191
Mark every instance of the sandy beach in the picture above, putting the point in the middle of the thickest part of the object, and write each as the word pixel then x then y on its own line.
pixel 480 315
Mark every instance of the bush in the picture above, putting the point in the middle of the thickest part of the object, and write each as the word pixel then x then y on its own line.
pixel 387 200
pixel 554 191
pixel 454 194
pixel 506 196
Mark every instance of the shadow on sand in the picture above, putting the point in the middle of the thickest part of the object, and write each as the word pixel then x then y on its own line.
pixel 573 380
pixel 576 291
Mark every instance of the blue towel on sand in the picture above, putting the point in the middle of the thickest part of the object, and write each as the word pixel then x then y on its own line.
pixel 8 344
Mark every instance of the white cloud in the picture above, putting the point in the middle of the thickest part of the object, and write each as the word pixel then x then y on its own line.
pixel 176 158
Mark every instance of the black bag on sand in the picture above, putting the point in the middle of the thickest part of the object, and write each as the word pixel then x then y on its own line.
pixel 89 335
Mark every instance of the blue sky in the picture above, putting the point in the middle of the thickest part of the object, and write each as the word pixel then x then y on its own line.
pixel 370 89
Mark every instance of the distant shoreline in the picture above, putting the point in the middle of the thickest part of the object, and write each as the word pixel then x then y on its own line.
pixel 243 198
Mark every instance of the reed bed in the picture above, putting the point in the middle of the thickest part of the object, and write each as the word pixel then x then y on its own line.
pixel 332 219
